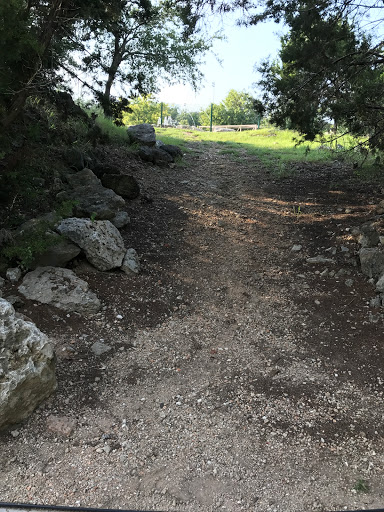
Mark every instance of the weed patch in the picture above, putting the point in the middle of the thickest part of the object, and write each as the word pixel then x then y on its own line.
pixel 361 487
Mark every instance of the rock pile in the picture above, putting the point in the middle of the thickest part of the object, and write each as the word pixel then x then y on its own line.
pixel 103 247
pixel 151 150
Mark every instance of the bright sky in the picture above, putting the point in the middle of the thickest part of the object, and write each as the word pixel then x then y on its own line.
pixel 244 47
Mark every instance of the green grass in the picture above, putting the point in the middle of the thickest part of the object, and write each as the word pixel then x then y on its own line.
pixel 272 146
pixel 117 134
pixel 277 149
pixel 230 151
pixel 173 136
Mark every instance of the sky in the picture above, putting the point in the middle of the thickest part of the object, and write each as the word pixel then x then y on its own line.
pixel 243 48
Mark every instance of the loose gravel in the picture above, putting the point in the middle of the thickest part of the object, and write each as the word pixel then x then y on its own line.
pixel 235 372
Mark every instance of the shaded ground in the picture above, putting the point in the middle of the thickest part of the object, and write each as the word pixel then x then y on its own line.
pixel 240 377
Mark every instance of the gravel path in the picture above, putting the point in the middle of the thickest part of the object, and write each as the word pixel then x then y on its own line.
pixel 238 376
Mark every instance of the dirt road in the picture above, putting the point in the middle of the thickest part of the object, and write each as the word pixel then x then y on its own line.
pixel 240 376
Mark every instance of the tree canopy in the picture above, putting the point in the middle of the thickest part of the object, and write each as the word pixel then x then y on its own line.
pixel 238 107
pixel 98 41
pixel 144 109
pixel 137 47
pixel 328 68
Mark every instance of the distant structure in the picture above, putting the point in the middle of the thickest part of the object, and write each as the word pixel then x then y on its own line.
pixel 167 121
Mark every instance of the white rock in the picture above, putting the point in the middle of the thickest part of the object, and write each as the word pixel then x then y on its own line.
pixel 320 259
pixel 100 240
pixel 99 348
pixel 131 262
pixel 13 274
pixel 27 367
pixel 59 287
pixel 296 248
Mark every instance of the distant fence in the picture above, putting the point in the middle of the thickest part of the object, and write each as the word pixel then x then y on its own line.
pixel 214 128
pixel 232 127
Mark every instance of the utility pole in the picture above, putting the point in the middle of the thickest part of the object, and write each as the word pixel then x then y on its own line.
pixel 161 114
pixel 213 99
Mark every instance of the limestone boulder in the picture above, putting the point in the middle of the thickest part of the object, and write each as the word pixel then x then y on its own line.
pixel 172 149
pixel 83 178
pixel 102 168
pixel 124 185
pixel 100 240
pixel 146 153
pixel 155 155
pixel 368 235
pixel 13 274
pixel 372 261
pixel 27 367
pixel 143 134
pixel 60 253
pixel 380 284
pixel 121 219
pixel 92 199
pixel 59 287
pixel 131 262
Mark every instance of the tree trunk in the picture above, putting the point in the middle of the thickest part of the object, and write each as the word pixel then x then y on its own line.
pixel 112 71
pixel 107 94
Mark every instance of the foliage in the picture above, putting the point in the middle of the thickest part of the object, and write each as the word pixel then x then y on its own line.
pixel 36 237
pixel 27 245
pixel 134 43
pixel 16 42
pixel 116 107
pixel 328 68
pixel 65 209
pixel 116 134
pixel 144 109
pixel 188 118
pixel 237 108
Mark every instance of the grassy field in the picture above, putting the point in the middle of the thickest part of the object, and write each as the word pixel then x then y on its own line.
pixel 272 146
pixel 276 148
